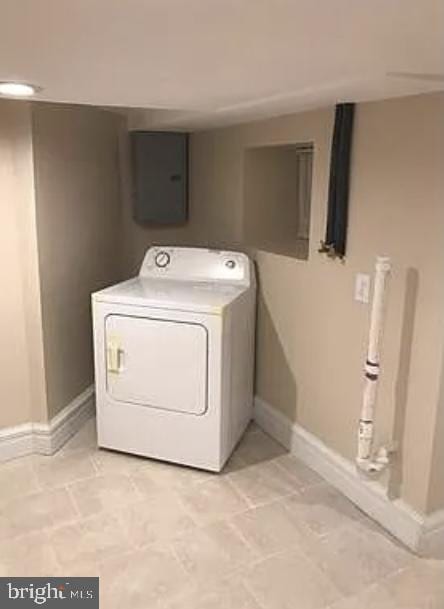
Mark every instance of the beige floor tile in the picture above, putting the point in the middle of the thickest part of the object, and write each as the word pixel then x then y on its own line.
pixel 258 447
pixel 263 482
pixel 63 468
pixel 143 579
pixel 157 517
pixel 84 569
pixel 17 478
pixel 36 511
pixel 302 475
pixel 147 486
pixel 105 492
pixel 373 597
pixel 212 500
pixel 172 475
pixel 227 594
pixel 234 463
pixel 290 581
pixel 354 558
pixel 212 551
pixel 30 556
pixel 269 529
pixel 90 540
pixel 109 461
pixel 200 543
pixel 420 586
pixel 322 509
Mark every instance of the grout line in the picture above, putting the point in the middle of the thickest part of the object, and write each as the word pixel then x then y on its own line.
pixel 240 533
pixel 177 556
pixel 73 501
pixel 251 591
pixel 36 476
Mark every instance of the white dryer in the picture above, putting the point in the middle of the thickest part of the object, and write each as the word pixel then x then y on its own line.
pixel 174 356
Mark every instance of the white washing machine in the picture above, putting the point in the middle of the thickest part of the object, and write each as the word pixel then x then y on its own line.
pixel 174 356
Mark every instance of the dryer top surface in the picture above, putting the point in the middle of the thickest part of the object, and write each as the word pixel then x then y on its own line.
pixel 185 279
pixel 197 296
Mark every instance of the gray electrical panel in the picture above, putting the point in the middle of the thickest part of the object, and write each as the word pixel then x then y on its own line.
pixel 160 177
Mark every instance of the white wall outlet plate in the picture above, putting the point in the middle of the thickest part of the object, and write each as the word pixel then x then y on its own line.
pixel 362 287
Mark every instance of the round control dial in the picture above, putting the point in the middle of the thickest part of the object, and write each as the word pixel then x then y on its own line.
pixel 162 259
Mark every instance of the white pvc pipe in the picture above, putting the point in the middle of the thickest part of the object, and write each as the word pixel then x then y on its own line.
pixel 365 458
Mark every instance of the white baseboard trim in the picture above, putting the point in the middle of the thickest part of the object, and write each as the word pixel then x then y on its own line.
pixel 47 438
pixel 431 542
pixel 423 534
pixel 15 442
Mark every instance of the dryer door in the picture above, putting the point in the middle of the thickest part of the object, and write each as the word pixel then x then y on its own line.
pixel 157 363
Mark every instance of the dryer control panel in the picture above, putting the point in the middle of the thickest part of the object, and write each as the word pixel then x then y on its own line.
pixel 196 264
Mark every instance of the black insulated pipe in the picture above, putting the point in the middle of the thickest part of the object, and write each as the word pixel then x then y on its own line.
pixel 338 191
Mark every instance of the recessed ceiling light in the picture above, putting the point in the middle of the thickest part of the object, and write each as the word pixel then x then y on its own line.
pixel 17 89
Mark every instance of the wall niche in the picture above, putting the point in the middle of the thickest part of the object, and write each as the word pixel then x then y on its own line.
pixel 277 198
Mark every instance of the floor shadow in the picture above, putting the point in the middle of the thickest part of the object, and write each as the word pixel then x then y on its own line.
pixel 254 447
pixel 402 379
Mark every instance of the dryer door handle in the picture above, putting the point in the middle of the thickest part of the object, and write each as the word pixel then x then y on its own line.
pixel 114 356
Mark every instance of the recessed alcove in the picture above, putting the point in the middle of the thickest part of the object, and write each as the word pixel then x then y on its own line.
pixel 277 198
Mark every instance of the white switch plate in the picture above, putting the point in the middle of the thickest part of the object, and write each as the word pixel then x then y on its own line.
pixel 362 287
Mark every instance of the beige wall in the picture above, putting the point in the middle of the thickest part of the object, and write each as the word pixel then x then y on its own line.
pixel 21 356
pixel 311 333
pixel 61 240
pixel 78 220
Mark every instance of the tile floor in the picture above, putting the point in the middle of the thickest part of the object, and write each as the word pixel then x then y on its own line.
pixel 267 533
